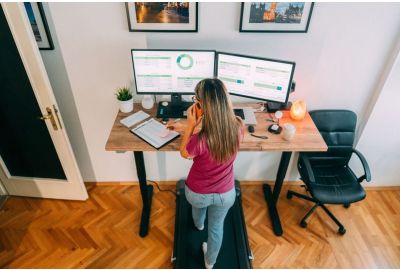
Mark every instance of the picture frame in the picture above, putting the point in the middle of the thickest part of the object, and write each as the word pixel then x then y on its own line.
pixel 39 25
pixel 162 16
pixel 275 17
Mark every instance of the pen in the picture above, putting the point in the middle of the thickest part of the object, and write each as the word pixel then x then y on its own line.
pixel 172 127
pixel 259 136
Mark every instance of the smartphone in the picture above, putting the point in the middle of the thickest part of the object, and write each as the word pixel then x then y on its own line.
pixel 199 110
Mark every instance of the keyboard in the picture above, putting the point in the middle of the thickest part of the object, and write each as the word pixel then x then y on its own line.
pixel 133 119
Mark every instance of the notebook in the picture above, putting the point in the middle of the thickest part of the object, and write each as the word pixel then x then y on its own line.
pixel 154 133
pixel 133 119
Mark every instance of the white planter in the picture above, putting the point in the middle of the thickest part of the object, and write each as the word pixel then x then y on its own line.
pixel 126 106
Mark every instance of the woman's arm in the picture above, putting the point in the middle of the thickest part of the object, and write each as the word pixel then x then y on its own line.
pixel 242 129
pixel 185 139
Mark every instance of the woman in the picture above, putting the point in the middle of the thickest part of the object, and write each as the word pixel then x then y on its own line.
pixel 210 184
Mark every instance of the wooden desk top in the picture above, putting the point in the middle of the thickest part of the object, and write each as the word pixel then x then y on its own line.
pixel 307 137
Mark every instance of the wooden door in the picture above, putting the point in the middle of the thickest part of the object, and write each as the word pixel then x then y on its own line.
pixel 36 158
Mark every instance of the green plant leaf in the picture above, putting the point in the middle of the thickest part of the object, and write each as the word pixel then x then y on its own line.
pixel 123 93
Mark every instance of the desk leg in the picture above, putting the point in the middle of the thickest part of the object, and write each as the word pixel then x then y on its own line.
pixel 272 196
pixel 146 192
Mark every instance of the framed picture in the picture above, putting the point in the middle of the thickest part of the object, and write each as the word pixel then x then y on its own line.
pixel 278 17
pixel 162 16
pixel 39 25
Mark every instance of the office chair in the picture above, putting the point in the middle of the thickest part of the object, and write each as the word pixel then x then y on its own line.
pixel 327 176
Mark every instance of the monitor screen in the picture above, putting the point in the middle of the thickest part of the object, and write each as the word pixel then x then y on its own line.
pixel 257 78
pixel 171 71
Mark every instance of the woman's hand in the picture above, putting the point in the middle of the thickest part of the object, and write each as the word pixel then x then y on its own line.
pixel 191 116
pixel 191 124
pixel 176 126
pixel 192 120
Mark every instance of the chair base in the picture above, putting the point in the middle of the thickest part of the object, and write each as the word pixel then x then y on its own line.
pixel 303 222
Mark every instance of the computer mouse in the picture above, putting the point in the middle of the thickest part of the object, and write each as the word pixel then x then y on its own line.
pixel 250 129
pixel 274 127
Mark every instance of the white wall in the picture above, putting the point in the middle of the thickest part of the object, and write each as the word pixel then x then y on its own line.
pixel 95 44
pixel 380 140
pixel 342 53
pixel 339 62
pixel 59 80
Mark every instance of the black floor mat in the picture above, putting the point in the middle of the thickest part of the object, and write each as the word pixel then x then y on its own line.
pixel 234 252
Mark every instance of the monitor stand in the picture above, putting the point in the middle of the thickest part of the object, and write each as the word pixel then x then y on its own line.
pixel 176 108
pixel 272 107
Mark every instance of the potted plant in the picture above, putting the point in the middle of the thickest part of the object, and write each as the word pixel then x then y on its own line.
pixel 124 95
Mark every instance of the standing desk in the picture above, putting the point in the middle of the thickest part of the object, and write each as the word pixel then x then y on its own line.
pixel 307 139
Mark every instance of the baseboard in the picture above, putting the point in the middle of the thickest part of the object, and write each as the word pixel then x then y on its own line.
pixel 128 183
pixel 242 183
pixel 3 200
pixel 173 182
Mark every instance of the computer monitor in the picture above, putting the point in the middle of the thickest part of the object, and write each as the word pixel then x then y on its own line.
pixel 257 78
pixel 171 71
pixel 174 72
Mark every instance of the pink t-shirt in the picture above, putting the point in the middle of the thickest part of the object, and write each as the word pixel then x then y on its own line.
pixel 206 175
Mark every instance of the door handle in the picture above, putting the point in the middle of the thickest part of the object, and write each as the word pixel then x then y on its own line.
pixel 49 116
pixel 45 117
pixel 58 118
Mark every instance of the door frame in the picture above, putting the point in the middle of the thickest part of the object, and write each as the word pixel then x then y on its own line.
pixel 73 188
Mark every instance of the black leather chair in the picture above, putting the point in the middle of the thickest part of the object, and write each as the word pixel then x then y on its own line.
pixel 326 175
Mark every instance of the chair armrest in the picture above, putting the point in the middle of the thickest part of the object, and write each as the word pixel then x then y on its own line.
pixel 367 172
pixel 308 167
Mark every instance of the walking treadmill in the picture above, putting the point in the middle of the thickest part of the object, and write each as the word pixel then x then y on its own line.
pixel 235 250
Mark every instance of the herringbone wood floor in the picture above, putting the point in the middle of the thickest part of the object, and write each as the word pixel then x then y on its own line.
pixel 102 232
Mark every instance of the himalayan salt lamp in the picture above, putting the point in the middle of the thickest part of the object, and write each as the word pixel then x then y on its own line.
pixel 298 110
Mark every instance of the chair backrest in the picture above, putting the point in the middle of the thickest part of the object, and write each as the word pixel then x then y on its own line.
pixel 337 127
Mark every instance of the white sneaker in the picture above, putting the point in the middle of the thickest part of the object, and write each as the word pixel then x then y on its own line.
pixel 208 266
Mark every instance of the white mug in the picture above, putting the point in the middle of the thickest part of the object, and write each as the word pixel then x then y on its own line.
pixel 288 131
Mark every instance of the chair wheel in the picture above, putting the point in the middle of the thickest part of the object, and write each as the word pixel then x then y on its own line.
pixel 303 224
pixel 346 205
pixel 289 195
pixel 342 231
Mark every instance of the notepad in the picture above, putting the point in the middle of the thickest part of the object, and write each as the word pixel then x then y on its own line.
pixel 133 119
pixel 154 133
